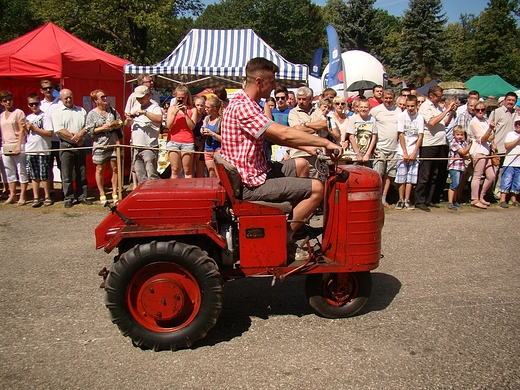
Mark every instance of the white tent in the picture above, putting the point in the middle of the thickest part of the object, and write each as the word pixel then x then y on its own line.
pixel 206 58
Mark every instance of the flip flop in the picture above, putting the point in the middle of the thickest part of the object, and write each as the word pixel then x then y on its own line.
pixel 479 205
pixel 21 202
pixel 9 201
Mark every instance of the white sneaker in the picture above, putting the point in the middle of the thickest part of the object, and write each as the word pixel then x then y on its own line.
pixel 399 205
pixel 409 206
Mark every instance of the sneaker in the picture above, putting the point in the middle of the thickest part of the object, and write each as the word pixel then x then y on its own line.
pixel 457 205
pixel 68 204
pixel 86 202
pixel 399 205
pixel 504 205
pixel 423 207
pixel 452 207
pixel 409 206
pixel 295 253
pixel 515 204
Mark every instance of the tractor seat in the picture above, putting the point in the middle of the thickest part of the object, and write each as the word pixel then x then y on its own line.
pixel 230 179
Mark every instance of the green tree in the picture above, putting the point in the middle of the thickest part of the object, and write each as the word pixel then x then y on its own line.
pixel 356 22
pixel 292 27
pixel 422 53
pixel 16 19
pixel 142 32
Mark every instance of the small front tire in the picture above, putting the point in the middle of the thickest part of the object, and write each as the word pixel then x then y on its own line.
pixel 338 295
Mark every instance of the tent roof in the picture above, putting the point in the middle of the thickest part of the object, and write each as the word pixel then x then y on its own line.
pixel 205 58
pixel 493 85
pixel 52 52
pixel 426 87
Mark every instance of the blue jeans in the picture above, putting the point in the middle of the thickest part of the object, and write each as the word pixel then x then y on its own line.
pixel 510 180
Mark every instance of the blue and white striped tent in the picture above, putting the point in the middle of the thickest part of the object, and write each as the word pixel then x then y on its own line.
pixel 205 58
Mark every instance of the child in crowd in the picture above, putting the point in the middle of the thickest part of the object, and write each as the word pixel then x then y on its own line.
pixel 37 149
pixel 459 148
pixel 362 133
pixel 510 181
pixel 410 130
pixel 332 132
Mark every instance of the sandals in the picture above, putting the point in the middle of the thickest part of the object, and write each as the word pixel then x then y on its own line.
pixel 37 203
pixel 103 200
pixel 479 205
pixel 485 202
pixel 21 202
pixel 47 202
pixel 115 198
pixel 9 201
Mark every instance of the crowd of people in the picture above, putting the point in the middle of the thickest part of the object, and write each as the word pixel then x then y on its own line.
pixel 412 141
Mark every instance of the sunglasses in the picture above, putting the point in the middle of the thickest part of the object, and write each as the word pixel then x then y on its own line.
pixel 280 97
pixel 340 103
pixel 103 97
pixel 480 110
pixel 47 89
pixel 6 100
pixel 34 104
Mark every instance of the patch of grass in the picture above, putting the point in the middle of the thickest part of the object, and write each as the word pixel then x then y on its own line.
pixel 71 215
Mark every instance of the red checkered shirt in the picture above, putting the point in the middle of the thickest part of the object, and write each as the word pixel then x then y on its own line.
pixel 243 125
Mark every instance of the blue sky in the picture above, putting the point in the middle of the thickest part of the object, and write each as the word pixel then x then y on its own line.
pixel 452 8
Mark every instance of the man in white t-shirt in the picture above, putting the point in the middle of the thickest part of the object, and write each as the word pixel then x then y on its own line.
pixel 145 119
pixel 510 181
pixel 48 104
pixel 410 127
pixel 434 146
pixel 386 115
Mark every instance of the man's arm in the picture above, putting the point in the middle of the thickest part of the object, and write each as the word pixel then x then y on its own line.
pixel 287 136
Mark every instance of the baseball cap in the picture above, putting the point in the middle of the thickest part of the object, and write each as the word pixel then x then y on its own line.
pixel 140 91
pixel 517 118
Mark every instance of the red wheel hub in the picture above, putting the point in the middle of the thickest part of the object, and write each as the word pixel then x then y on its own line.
pixel 163 297
pixel 340 289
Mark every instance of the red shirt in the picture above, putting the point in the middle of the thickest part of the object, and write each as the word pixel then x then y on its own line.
pixel 373 102
pixel 243 125
pixel 180 131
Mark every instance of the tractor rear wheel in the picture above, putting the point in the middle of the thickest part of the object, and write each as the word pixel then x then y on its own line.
pixel 338 295
pixel 164 295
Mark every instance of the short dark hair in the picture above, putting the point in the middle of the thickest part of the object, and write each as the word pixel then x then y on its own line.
pixel 259 64
pixel 512 94
pixel 329 90
pixel 282 89
pixel 376 86
pixel 5 94
pixel 473 93
pixel 33 96
pixel 411 98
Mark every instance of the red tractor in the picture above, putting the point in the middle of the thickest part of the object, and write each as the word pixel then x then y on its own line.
pixel 177 240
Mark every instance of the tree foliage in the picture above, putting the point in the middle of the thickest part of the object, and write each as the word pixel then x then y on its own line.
pixel 422 53
pixel 292 27
pixel 15 19
pixel 140 31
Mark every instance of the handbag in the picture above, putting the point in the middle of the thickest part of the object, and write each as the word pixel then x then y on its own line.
pixel 495 158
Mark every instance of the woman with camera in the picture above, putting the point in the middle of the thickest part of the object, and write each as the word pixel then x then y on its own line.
pixel 103 125
pixel 181 120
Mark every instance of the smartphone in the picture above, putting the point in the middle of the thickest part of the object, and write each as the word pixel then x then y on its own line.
pixel 179 102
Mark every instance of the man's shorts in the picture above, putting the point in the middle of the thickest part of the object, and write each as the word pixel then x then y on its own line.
pixel 407 172
pixel 387 165
pixel 281 185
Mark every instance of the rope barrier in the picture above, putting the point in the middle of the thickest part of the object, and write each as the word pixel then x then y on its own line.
pixel 159 149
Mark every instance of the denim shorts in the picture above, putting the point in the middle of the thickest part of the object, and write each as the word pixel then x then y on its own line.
pixel 184 147
pixel 510 181
pixel 455 179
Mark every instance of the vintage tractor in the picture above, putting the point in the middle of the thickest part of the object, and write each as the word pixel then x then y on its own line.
pixel 177 240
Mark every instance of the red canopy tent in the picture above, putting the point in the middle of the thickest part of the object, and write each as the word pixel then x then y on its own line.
pixel 50 52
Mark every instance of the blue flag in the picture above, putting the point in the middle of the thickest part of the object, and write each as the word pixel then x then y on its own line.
pixel 316 62
pixel 335 75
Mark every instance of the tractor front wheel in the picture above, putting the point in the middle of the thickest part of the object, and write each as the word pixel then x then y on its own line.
pixel 338 295
pixel 164 295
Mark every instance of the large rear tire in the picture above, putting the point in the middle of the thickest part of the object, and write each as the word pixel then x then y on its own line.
pixel 164 295
pixel 338 295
